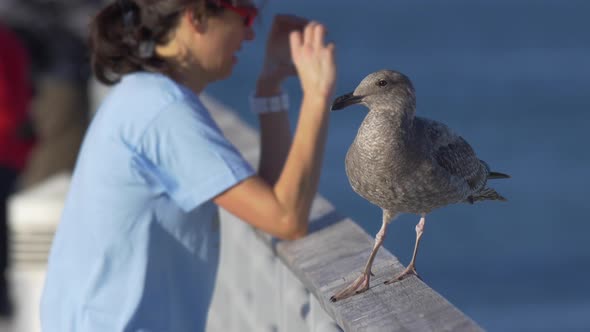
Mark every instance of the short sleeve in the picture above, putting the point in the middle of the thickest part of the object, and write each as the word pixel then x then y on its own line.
pixel 184 153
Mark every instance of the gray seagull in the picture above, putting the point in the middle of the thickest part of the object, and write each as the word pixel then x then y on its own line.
pixel 407 164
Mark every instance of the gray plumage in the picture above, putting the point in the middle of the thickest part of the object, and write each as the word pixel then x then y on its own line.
pixel 405 163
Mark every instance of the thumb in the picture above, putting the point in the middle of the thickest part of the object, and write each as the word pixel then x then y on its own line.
pixel 295 43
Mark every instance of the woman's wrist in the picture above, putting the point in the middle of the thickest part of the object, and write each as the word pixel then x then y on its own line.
pixel 272 104
pixel 269 96
pixel 317 99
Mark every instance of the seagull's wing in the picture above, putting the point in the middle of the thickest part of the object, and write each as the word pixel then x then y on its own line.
pixel 458 158
pixel 453 154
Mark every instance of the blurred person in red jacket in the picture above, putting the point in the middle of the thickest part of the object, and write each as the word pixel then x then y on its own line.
pixel 15 140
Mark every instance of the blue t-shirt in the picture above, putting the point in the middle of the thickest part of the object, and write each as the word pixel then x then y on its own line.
pixel 137 247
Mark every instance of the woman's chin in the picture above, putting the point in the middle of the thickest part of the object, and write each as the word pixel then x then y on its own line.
pixel 226 73
pixel 225 70
pixel 230 67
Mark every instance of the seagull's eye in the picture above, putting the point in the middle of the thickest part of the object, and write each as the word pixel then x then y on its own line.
pixel 382 83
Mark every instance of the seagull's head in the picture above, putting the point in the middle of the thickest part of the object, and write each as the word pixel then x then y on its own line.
pixel 384 87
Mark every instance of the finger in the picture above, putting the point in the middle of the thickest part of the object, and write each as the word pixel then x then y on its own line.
pixel 319 33
pixel 295 42
pixel 308 33
pixel 331 49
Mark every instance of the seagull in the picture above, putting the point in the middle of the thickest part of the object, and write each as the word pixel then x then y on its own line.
pixel 407 164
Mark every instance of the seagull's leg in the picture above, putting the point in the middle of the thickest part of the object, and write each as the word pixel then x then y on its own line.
pixel 361 283
pixel 411 269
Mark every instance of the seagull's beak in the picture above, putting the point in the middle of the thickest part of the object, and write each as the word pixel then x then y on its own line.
pixel 345 100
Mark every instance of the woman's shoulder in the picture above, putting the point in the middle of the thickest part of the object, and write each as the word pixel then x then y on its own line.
pixel 141 101
pixel 152 86
pixel 145 94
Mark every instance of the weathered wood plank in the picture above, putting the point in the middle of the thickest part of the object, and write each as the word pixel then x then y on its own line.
pixel 329 258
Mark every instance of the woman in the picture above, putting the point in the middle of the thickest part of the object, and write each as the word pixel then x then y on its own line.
pixel 137 246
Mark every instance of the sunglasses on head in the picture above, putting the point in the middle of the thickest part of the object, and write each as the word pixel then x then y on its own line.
pixel 248 13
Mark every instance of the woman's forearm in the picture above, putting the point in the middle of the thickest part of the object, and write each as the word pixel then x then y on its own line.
pixel 275 141
pixel 275 133
pixel 299 179
pixel 292 165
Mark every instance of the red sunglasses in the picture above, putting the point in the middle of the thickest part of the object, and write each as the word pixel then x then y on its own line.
pixel 248 13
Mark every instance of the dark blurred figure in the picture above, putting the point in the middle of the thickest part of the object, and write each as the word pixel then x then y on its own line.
pixel 54 32
pixel 16 138
pixel 44 73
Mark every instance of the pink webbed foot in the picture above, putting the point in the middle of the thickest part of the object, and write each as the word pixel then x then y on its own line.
pixel 360 285
pixel 410 270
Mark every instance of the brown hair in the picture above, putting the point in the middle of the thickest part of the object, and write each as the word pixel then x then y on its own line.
pixel 123 35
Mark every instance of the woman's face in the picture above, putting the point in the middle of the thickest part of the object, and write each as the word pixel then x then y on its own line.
pixel 218 39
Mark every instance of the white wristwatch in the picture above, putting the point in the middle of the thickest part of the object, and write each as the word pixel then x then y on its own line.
pixel 262 105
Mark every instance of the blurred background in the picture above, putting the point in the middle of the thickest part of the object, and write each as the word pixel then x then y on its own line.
pixel 510 76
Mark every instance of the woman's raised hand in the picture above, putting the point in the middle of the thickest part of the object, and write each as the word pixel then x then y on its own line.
pixel 314 60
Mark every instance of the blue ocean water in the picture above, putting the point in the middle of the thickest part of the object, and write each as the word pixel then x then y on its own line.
pixel 513 78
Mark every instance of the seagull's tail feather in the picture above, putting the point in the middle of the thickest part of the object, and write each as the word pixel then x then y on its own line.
pixel 485 194
pixel 498 175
